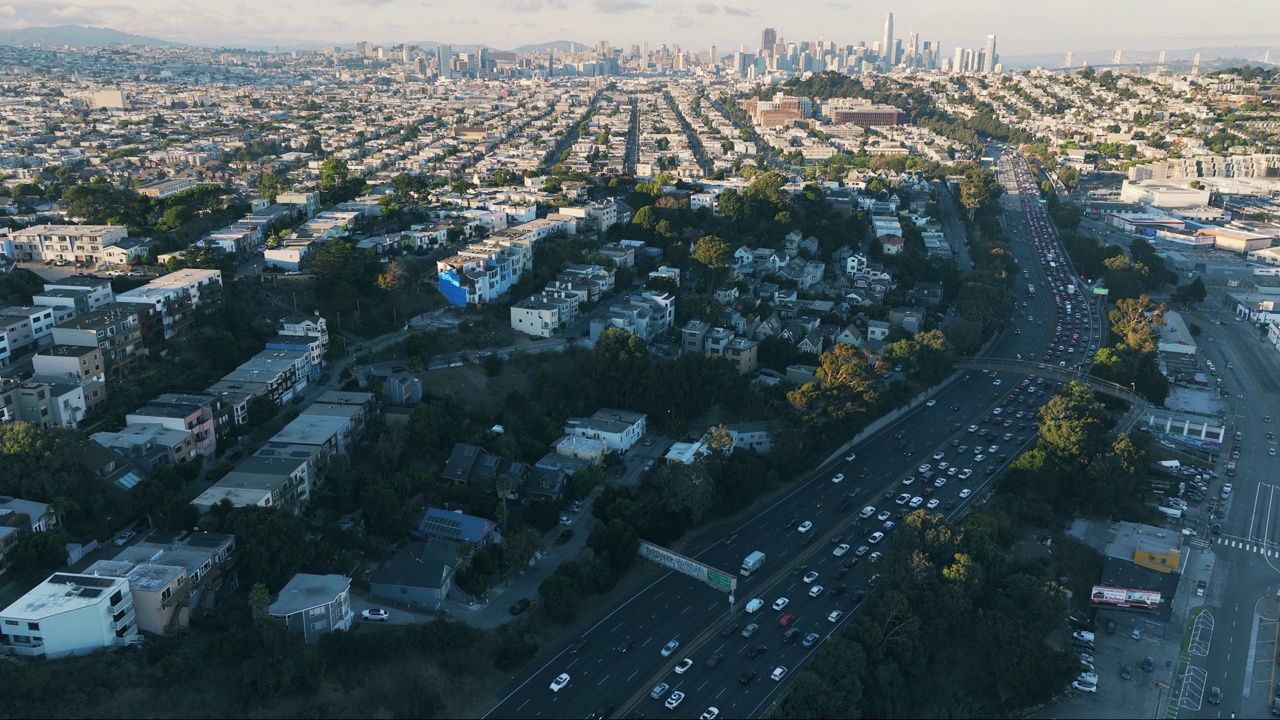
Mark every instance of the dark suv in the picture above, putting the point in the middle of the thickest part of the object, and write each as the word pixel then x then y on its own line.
pixel 520 606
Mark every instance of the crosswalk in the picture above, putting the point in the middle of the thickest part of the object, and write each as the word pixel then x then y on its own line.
pixel 1264 550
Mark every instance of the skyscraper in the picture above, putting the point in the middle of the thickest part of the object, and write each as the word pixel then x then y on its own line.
pixel 444 57
pixel 715 57
pixel 989 55
pixel 886 43
pixel 768 38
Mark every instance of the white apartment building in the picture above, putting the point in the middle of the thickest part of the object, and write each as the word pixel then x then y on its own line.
pixel 538 316
pixel 70 243
pixel 69 614
pixel 37 328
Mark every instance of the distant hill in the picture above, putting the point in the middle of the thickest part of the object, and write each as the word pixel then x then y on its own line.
pixel 77 35
pixel 1209 57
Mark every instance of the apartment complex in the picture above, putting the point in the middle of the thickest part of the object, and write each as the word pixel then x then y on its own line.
pixel 63 243
pixel 69 614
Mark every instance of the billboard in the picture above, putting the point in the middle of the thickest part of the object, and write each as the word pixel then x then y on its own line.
pixel 1101 291
pixel 1125 597
pixel 715 578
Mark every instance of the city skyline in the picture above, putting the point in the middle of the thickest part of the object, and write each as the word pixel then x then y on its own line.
pixel 506 24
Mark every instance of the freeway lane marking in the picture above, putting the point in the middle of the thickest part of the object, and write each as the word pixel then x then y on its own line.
pixel 606 677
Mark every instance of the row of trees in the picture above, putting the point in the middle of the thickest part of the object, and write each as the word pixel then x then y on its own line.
pixel 953 611
pixel 1133 358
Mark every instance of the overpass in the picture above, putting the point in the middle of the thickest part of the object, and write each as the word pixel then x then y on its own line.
pixel 1138 404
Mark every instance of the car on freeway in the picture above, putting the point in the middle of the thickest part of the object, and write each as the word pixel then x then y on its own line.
pixel 561 680
pixel 778 673
pixel 924 468
pixel 786 619
pixel 757 651
pixel 966 493
pixel 659 690
pixel 748 677
pixel 809 577
pixel 916 501
pixel 837 478
pixel 683 665
pixel 932 504
pixel 875 537
pixel 728 629
pixel 780 603
pixel 810 640
pixel 851 457
pixel 840 550
pixel 805 527
pixel 670 648
pixel 674 701
pixel 884 515
pixel 815 591
pixel 750 630
pixel 904 498
pixel 931 403
pixel 939 455
pixel 375 614
pixel 835 616
pixel 873 557
pixel 862 550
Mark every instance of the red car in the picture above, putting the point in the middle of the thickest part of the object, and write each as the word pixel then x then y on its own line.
pixel 785 620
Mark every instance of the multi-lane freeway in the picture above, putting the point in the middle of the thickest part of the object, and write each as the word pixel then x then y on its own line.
pixel 617 662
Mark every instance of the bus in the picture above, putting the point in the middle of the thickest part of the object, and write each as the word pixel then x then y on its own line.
pixel 1031 290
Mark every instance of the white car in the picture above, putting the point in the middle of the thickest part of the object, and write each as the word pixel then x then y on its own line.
pixel 566 520
pixel 884 515
pixel 815 591
pixel 674 701
pixel 835 616
pixel 838 477
pixel 851 457
pixel 993 449
pixel 973 428
pixel 916 501
pixel 931 403
pixel 712 713
pixel 924 468
pixel 933 503
pixel 805 527
pixel 873 557
pixel 904 498
pixel 670 648
pixel 780 603
pixel 875 537
pixel 778 673
pixel 940 481
pixel 810 576
pixel 939 455
pixel 996 381
pixel 997 411
pixel 375 614
pixel 755 605
pixel 1084 687
pixel 683 665
pixel 943 466
pixel 979 457
pixel 840 550
pixel 908 479
pixel 965 493
pixel 561 680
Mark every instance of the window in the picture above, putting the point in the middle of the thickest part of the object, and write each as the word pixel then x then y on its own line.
pixel 316 611
pixel 33 626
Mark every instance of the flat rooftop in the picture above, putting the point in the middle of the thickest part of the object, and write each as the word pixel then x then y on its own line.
pixel 62 593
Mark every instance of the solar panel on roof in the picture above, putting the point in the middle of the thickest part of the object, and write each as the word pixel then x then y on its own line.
pixel 443 526
pixel 84 580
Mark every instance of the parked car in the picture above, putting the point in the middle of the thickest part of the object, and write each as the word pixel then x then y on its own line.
pixel 375 615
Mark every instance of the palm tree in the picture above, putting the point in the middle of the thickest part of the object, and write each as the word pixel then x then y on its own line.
pixel 259 600
pixel 502 484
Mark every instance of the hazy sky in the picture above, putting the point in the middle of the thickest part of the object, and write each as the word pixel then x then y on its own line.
pixel 1026 26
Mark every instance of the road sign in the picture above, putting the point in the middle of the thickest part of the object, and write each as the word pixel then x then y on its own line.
pixel 687 566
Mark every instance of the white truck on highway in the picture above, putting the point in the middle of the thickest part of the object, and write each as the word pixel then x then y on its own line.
pixel 752 563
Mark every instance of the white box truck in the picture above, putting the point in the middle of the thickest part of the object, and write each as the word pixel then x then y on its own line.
pixel 752 563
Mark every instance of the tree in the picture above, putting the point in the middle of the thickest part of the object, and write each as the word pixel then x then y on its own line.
pixel 333 174
pixel 1135 320
pixel 714 253
pixel 271 185
pixel 1190 294
pixel 731 203
pixel 259 600
pixel 462 186
pixel 273 541
pixel 36 554
pixel 686 487
pixel 43 464
pixel 849 383
pixel 260 410
pixel 616 542
pixel 561 597
pixel 1069 176
pixel 502 486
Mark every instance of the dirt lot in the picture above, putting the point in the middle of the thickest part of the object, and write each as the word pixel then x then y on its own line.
pixel 476 391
